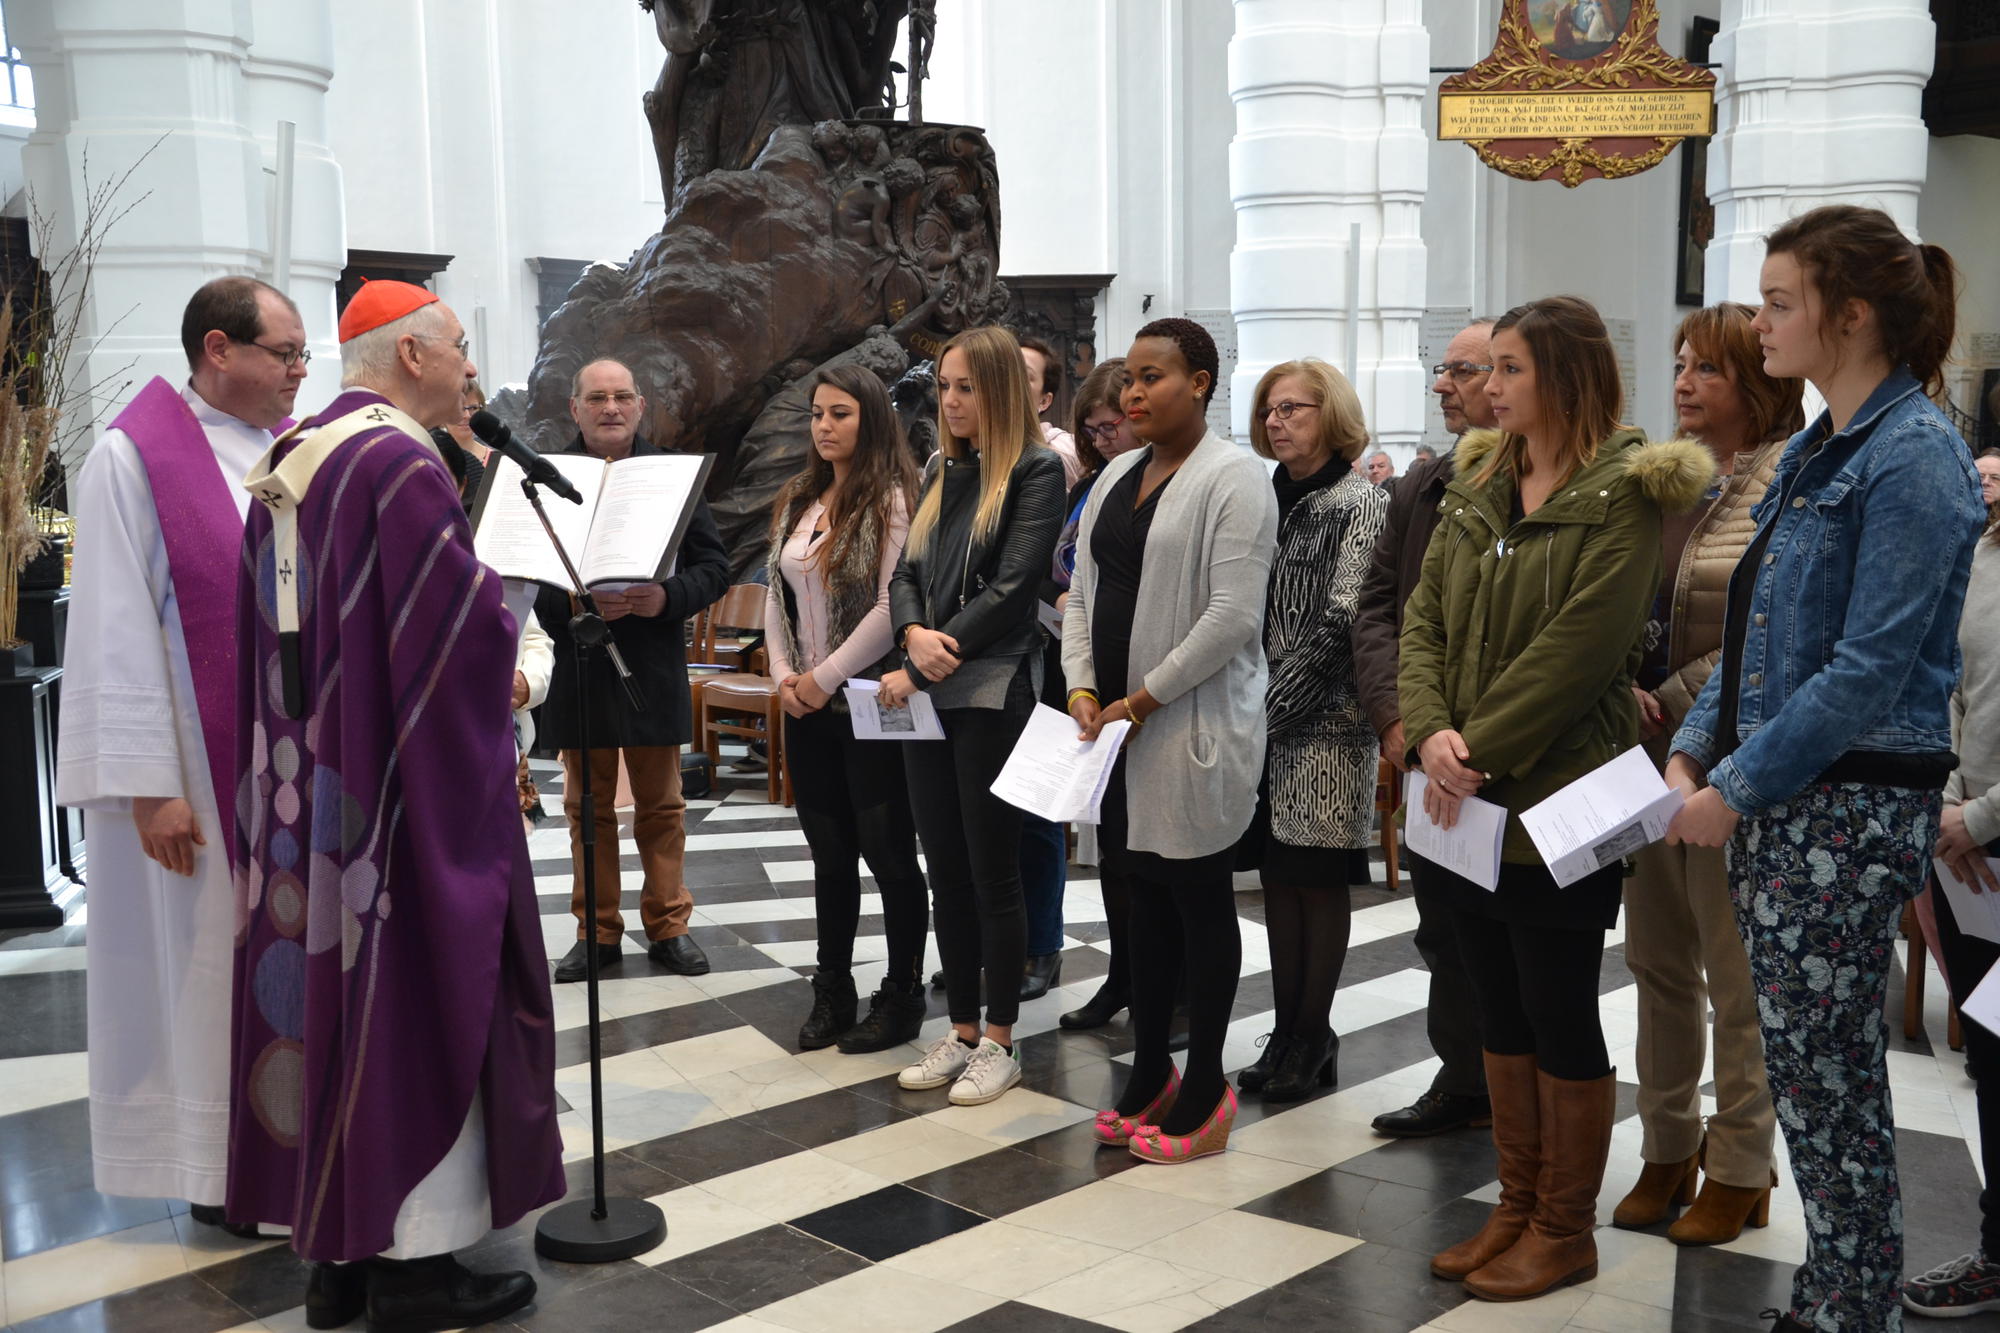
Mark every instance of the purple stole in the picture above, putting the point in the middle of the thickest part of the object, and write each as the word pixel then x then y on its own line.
pixel 204 539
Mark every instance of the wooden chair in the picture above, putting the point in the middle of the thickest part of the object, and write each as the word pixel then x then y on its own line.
pixel 1916 964
pixel 1388 795
pixel 727 633
pixel 729 701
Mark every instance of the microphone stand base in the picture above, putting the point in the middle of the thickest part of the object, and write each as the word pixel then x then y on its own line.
pixel 569 1234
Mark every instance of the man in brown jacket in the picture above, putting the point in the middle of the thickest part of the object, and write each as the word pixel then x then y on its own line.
pixel 1457 1096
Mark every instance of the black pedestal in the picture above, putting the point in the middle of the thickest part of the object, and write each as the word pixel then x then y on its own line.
pixel 44 623
pixel 31 827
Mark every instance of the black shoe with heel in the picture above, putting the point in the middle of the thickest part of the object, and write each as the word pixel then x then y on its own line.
pixel 1256 1076
pixel 895 1014
pixel 1095 1012
pixel 1307 1061
pixel 1042 974
pixel 832 1012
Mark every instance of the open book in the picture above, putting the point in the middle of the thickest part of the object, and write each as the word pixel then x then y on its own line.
pixel 626 531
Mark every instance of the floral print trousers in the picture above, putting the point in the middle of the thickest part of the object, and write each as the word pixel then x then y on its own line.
pixel 1819 884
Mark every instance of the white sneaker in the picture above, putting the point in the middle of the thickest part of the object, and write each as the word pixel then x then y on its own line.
pixel 990 1072
pixel 946 1059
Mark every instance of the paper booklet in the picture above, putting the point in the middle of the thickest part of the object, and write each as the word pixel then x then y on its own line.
pixel 1470 848
pixel 634 513
pixel 1602 817
pixel 1977 913
pixel 916 720
pixel 1053 774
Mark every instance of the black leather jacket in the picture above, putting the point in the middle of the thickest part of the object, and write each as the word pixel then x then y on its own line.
pixel 983 594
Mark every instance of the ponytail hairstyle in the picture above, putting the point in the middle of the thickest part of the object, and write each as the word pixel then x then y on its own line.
pixel 1104 386
pixel 880 478
pixel 1859 254
pixel 1008 428
pixel 1576 383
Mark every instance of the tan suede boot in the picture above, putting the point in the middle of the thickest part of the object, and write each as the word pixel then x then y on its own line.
pixel 1662 1187
pixel 1721 1213
pixel 1559 1246
pixel 1517 1139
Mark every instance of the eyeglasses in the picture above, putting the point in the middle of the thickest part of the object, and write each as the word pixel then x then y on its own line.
pixel 1283 411
pixel 462 344
pixel 1107 430
pixel 288 356
pixel 623 398
pixel 1460 370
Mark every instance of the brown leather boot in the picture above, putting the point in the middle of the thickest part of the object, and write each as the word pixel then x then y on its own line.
pixel 1721 1212
pixel 1517 1138
pixel 1662 1187
pixel 1560 1245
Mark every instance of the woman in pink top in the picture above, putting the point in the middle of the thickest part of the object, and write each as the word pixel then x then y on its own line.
pixel 837 530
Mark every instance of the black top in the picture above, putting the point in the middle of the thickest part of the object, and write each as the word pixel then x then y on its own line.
pixel 1118 545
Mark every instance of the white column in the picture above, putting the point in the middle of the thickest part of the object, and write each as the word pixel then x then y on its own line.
pixel 286 77
pixel 1329 133
pixel 1819 101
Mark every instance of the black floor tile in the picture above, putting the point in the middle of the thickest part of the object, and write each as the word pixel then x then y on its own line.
pixel 44 1013
pixel 1014 1317
pixel 1441 1228
pixel 45 1152
pixel 753 1271
pixel 631 1299
pixel 823 1118
pixel 514 1249
pixel 1350 1204
pixel 1729 1289
pixel 263 1282
pixel 703 1153
pixel 1447 1164
pixel 882 1225
pixel 1380 1280
pixel 1279 1308
pixel 1076 1147
pixel 63 1219
pixel 182 1304
pixel 1006 1180
pixel 625 1177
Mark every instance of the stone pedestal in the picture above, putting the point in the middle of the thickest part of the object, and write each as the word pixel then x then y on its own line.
pixel 1329 133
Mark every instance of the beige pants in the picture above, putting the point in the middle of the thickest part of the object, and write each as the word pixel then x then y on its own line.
pixel 1683 949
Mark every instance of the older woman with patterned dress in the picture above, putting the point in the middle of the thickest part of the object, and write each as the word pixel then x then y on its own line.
pixel 1319 767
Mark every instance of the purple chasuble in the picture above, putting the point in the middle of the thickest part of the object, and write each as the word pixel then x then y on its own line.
pixel 389 958
pixel 204 540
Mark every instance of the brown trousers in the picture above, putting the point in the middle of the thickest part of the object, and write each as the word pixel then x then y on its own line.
pixel 1682 945
pixel 658 826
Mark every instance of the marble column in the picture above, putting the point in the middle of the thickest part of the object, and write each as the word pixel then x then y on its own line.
pixel 1818 102
pixel 286 77
pixel 1329 133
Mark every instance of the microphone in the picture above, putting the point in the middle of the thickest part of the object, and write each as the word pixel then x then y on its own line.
pixel 539 469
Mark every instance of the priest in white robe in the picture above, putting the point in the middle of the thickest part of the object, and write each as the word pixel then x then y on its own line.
pixel 147 738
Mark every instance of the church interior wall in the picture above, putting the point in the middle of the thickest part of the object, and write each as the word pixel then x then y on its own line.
pixel 1958 208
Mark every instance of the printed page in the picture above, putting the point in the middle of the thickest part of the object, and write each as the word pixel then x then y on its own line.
pixel 1053 774
pixel 1976 913
pixel 641 515
pixel 1602 817
pixel 916 720
pixel 1983 1005
pixel 506 534
pixel 1470 848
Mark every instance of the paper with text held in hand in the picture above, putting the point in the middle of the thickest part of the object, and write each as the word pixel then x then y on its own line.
pixel 916 720
pixel 1976 913
pixel 1470 848
pixel 1602 817
pixel 1054 774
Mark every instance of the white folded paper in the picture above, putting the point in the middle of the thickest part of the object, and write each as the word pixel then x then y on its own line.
pixel 916 720
pixel 1053 774
pixel 1602 817
pixel 1983 1005
pixel 1976 913
pixel 1470 848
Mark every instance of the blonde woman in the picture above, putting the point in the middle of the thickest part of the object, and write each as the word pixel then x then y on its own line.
pixel 962 602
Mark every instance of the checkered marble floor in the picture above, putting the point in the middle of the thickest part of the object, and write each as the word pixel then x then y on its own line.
pixel 809 1192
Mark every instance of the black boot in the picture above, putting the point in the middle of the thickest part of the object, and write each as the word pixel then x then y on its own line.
pixel 211 1215
pixel 1307 1060
pixel 1098 1010
pixel 895 1013
pixel 335 1294
pixel 439 1293
pixel 1043 973
pixel 1256 1076
pixel 832 1011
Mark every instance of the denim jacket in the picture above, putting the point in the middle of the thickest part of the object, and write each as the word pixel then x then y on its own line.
pixel 1852 638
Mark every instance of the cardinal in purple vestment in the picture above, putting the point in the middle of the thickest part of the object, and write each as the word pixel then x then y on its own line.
pixel 393 1045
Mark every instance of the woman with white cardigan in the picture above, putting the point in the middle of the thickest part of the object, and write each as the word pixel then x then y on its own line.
pixel 1164 628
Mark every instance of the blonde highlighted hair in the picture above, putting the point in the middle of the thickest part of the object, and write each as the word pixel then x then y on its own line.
pixel 1008 428
pixel 1342 432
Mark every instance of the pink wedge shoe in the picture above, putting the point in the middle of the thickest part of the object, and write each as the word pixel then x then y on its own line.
pixel 1150 1145
pixel 1115 1131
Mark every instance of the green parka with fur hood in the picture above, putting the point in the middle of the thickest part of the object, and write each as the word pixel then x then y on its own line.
pixel 1524 637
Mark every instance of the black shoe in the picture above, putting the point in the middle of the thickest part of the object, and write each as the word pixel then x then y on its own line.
pixel 937 979
pixel 1256 1076
pixel 1044 971
pixel 209 1215
pixel 439 1293
pixel 681 954
pixel 1785 1323
pixel 335 1294
pixel 1307 1060
pixel 1434 1113
pixel 832 1011
pixel 895 1013
pixel 576 962
pixel 1098 1010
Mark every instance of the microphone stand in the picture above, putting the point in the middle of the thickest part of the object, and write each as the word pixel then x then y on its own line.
pixel 596 1230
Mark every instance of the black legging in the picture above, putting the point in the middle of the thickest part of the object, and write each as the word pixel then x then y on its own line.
pixel 1181 920
pixel 1968 958
pixel 1537 992
pixel 853 805
pixel 972 846
pixel 1309 925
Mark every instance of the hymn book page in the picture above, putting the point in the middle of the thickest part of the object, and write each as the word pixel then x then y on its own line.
pixel 508 536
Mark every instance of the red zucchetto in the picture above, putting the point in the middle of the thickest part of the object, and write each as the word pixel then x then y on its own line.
pixel 381 302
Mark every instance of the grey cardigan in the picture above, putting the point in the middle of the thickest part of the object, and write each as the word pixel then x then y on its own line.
pixel 1197 647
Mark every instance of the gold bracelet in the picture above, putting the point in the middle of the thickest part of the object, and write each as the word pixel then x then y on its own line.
pixel 1130 713
pixel 1070 702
